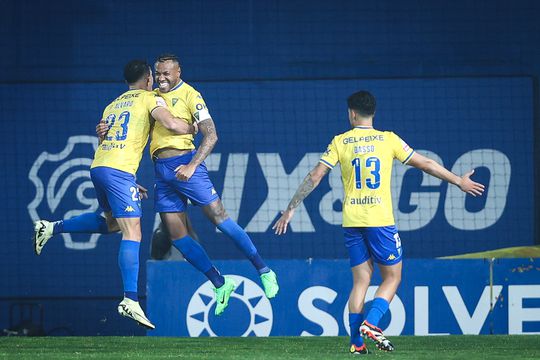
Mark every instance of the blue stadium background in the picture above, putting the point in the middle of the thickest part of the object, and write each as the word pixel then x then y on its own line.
pixel 449 78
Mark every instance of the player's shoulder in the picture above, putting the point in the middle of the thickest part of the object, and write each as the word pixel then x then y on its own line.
pixel 145 93
pixel 145 96
pixel 190 90
pixel 387 134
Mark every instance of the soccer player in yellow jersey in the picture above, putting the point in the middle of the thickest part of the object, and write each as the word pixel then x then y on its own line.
pixel 366 156
pixel 129 118
pixel 181 173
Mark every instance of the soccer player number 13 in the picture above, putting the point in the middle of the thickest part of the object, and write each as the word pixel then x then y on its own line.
pixel 123 120
pixel 374 165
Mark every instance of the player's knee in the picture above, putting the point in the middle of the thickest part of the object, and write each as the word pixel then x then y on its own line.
pixel 177 232
pixel 216 212
pixel 362 282
pixel 393 277
pixel 220 217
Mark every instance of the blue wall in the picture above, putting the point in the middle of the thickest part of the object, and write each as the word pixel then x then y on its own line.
pixel 314 294
pixel 88 41
pixel 468 65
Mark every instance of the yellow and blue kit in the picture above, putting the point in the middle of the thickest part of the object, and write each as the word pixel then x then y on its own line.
pixel 117 158
pixel 366 157
pixel 171 194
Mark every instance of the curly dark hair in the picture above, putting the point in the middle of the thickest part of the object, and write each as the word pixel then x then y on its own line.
pixel 363 102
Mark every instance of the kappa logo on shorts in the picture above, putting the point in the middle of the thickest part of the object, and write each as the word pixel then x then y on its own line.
pixel 61 180
pixel 391 257
pixel 129 208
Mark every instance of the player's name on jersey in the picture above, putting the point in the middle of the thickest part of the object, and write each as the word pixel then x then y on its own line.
pixel 369 138
pixel 123 104
pixel 364 149
pixel 366 200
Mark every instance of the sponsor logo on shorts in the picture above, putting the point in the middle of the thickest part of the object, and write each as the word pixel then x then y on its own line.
pixel 129 209
pixel 391 257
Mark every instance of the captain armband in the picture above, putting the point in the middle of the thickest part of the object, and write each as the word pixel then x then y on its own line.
pixel 160 102
pixel 202 115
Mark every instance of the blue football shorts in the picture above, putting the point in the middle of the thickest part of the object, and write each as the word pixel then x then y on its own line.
pixel 382 244
pixel 116 191
pixel 171 194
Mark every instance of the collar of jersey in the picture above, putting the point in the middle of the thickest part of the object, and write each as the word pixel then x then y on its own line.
pixel 363 127
pixel 177 86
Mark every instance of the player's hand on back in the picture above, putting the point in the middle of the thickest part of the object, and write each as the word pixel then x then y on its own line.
pixel 469 186
pixel 102 129
pixel 281 225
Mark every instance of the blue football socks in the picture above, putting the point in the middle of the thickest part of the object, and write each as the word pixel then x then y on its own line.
pixel 84 223
pixel 244 243
pixel 379 307
pixel 197 256
pixel 128 261
pixel 355 320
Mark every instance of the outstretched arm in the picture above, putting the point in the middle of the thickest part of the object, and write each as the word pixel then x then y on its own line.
pixel 171 123
pixel 208 130
pixel 311 181
pixel 435 169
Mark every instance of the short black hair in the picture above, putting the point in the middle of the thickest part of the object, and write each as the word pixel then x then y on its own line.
pixel 166 57
pixel 363 102
pixel 135 70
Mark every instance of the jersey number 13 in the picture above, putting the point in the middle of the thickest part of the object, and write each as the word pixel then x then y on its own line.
pixel 373 165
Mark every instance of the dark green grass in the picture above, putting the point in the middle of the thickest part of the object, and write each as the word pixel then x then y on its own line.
pixel 407 347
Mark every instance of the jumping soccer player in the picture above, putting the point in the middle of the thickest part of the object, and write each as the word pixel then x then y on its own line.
pixel 181 173
pixel 113 174
pixel 366 156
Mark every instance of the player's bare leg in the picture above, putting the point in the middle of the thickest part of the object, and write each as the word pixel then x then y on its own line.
pixel 391 275
pixel 175 223
pixel 361 278
pixel 215 212
pixel 112 223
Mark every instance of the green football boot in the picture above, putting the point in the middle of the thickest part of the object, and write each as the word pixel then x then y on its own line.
pixel 223 293
pixel 269 281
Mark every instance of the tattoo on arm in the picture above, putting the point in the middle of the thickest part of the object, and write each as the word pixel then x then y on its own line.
pixel 208 129
pixel 311 181
pixel 305 188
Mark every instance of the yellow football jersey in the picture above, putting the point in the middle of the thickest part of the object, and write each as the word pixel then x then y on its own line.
pixel 183 102
pixel 366 156
pixel 128 117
